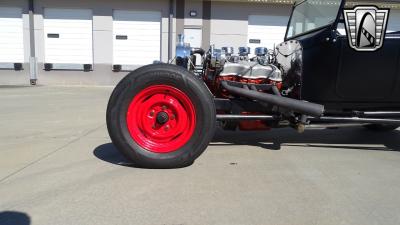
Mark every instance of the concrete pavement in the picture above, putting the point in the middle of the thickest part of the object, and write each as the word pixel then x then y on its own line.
pixel 57 166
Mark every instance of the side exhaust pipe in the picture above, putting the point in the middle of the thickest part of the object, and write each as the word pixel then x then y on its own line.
pixel 306 108
pixel 327 120
pixel 356 120
pixel 232 117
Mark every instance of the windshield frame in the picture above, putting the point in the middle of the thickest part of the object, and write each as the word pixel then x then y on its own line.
pixel 333 23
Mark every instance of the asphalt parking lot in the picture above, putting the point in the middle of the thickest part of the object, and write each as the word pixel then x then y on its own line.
pixel 57 166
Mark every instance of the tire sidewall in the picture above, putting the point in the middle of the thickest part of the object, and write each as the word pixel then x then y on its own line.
pixel 173 76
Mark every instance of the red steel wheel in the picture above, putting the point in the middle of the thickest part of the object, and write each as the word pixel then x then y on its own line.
pixel 161 118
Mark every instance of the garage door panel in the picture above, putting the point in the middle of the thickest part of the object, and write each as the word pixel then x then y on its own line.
pixel 128 53
pixel 69 30
pixel 78 28
pixel 129 45
pixel 11 35
pixel 141 43
pixel 144 47
pixel 269 30
pixel 65 50
pixel 131 30
pixel 10 56
pixel 146 39
pixel 57 55
pixel 271 20
pixel 68 36
pixel 10 46
pixel 145 51
pixel 142 24
pixel 139 25
pixel 70 44
pixel 10 22
pixel 139 60
pixel 154 35
pixel 62 56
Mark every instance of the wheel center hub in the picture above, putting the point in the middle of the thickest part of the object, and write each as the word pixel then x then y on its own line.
pixel 162 118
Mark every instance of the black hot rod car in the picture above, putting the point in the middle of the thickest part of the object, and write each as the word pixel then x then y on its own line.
pixel 164 115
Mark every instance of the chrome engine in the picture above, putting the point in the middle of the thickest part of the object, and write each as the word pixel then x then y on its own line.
pixel 279 66
pixel 244 67
pixel 251 70
pixel 274 72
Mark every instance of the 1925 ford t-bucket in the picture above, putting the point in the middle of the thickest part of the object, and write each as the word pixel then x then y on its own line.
pixel 164 115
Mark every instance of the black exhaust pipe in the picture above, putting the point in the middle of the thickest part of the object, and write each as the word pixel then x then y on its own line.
pixel 328 121
pixel 394 121
pixel 306 108
pixel 232 117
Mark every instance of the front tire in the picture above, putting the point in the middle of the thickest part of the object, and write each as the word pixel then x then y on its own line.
pixel 161 116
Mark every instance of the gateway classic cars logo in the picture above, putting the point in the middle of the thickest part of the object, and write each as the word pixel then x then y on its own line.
pixel 366 27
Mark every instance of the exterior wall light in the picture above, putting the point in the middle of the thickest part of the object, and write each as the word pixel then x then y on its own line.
pixel 193 13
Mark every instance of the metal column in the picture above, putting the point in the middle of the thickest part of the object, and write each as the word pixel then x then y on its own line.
pixel 170 28
pixel 32 59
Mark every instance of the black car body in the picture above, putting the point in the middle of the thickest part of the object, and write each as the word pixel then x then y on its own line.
pixel 336 75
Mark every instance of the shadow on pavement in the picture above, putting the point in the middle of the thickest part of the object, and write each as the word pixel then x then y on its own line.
pixel 345 138
pixel 14 218
pixel 109 153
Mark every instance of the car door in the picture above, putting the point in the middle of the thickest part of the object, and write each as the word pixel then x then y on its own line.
pixel 368 76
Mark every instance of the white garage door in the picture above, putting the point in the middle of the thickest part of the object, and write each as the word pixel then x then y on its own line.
pixel 137 37
pixel 68 37
pixel 11 36
pixel 193 36
pixel 265 31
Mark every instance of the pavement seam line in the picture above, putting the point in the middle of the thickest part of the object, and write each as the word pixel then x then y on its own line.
pixel 50 153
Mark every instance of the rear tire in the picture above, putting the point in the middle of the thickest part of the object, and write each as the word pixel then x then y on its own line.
pixel 381 127
pixel 161 116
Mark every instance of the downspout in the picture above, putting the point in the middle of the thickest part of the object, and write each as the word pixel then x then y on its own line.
pixel 32 59
pixel 170 24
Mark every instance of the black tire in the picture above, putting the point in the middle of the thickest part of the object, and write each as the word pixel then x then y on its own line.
pixel 161 74
pixel 381 127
